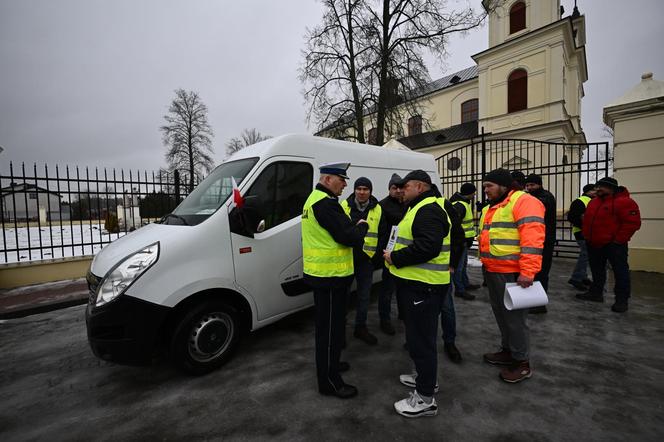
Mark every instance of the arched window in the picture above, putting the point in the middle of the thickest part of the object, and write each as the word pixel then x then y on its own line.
pixel 415 125
pixel 517 91
pixel 372 136
pixel 469 110
pixel 517 17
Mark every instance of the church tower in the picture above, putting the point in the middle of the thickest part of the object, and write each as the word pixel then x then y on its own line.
pixel 531 76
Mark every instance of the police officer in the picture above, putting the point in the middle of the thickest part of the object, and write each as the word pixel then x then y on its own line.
pixel 328 238
pixel 579 278
pixel 420 264
pixel 361 204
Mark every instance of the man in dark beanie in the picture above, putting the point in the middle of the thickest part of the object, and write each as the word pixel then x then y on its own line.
pixel 519 178
pixel 511 241
pixel 393 212
pixel 361 204
pixel 608 224
pixel 534 187
pixel 579 278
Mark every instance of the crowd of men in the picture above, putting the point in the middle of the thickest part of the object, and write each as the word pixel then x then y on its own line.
pixel 426 262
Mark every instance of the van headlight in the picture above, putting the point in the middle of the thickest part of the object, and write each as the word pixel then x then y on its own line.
pixel 122 276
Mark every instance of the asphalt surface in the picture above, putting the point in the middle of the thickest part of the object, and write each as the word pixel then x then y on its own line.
pixel 598 375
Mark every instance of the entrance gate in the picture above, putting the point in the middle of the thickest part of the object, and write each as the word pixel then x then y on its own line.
pixel 565 168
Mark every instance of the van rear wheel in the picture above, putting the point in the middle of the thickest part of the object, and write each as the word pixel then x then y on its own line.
pixel 205 338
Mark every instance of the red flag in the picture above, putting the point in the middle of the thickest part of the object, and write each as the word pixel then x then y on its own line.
pixel 238 200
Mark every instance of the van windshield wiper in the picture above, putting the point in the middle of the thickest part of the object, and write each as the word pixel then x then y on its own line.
pixel 172 215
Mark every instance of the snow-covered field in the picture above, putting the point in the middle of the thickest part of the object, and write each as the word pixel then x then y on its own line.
pixel 68 241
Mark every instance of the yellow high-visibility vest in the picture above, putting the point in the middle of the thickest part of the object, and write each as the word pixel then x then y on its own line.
pixel 585 200
pixel 373 219
pixel 504 239
pixel 435 271
pixel 467 222
pixel 321 254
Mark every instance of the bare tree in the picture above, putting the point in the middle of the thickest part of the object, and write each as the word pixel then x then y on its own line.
pixel 337 69
pixel 246 138
pixel 188 136
pixel 393 36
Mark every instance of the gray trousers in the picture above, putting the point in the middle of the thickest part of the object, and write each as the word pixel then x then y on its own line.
pixel 513 324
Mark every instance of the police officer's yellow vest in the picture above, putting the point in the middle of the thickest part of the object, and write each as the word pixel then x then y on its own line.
pixel 373 219
pixel 467 222
pixel 504 239
pixel 437 270
pixel 585 200
pixel 321 254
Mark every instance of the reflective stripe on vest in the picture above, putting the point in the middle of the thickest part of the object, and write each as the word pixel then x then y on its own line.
pixel 467 222
pixel 504 239
pixel 585 200
pixel 373 219
pixel 437 270
pixel 322 256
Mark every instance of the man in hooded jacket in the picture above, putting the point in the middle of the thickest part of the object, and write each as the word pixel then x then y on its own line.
pixel 610 221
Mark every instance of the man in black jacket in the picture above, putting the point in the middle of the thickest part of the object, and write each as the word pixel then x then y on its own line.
pixel 361 204
pixel 534 187
pixel 577 209
pixel 393 212
pixel 420 263
pixel 327 236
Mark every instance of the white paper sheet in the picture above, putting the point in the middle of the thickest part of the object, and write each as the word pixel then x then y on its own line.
pixel 393 238
pixel 517 297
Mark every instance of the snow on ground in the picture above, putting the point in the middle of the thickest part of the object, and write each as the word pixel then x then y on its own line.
pixel 58 242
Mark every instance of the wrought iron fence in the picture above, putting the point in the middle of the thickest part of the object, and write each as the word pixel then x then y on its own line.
pixel 71 211
pixel 565 168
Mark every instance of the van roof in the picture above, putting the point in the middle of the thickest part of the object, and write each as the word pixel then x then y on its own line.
pixel 327 150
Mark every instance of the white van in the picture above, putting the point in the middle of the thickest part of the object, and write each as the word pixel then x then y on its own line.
pixel 210 271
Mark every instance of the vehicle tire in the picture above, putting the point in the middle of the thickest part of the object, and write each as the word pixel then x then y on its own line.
pixel 205 338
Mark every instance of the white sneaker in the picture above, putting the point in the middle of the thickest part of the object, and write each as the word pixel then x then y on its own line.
pixel 414 406
pixel 409 381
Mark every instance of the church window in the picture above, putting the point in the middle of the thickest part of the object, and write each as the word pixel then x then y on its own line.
pixel 469 110
pixel 517 17
pixel 415 125
pixel 372 136
pixel 517 91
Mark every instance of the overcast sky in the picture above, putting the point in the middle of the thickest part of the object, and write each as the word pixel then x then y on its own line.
pixel 87 82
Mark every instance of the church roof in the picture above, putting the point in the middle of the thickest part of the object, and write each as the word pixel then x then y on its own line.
pixel 451 80
pixel 463 131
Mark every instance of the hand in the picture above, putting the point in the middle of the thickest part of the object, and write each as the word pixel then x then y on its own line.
pixel 524 281
pixel 387 256
pixel 451 270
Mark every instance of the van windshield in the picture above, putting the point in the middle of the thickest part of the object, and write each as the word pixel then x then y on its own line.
pixel 211 193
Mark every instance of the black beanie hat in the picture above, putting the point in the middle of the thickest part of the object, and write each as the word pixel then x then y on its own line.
pixel 588 187
pixel 501 177
pixel 534 179
pixel 467 189
pixel 518 176
pixel 608 182
pixel 363 181
pixel 394 181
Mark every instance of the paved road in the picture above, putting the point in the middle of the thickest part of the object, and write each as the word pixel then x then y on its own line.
pixel 597 376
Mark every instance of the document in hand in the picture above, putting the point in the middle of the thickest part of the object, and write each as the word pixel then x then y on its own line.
pixel 517 297
pixel 393 238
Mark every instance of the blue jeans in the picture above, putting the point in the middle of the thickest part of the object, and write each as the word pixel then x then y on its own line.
pixel 460 276
pixel 448 317
pixel 385 296
pixel 364 277
pixel 580 272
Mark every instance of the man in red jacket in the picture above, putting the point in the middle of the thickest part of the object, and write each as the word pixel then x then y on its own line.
pixel 608 224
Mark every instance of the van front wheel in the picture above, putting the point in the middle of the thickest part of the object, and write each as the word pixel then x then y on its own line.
pixel 205 338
